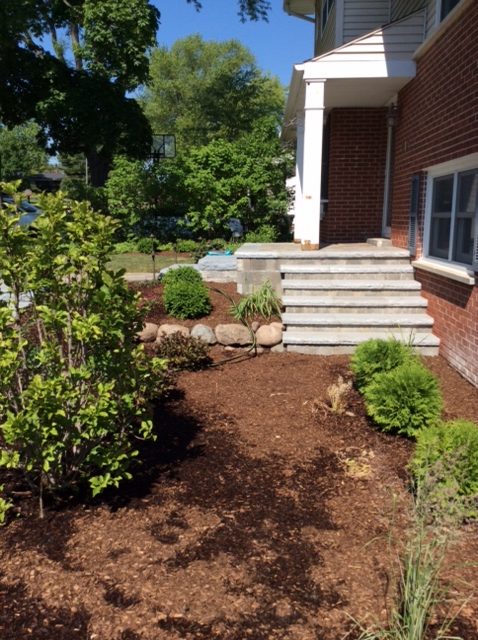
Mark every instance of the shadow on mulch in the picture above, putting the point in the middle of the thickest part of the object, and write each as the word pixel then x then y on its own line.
pixel 23 617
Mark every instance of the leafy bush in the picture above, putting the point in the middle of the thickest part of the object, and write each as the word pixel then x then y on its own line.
pixel 181 274
pixel 146 244
pixel 405 399
pixel 264 233
pixel 455 445
pixel 217 244
pixel 185 246
pixel 128 246
pixel 183 299
pixel 377 356
pixel 166 246
pixel 74 385
pixel 183 352
pixel 263 303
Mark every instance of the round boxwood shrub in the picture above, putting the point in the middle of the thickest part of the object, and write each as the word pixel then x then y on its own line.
pixel 404 399
pixel 453 446
pixel 181 274
pixel 378 356
pixel 183 300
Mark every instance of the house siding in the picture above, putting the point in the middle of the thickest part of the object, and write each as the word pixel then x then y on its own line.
pixel 358 143
pixel 363 16
pixel 327 39
pixel 402 8
pixel 438 122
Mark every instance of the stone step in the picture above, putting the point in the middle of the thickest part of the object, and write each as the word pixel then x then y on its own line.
pixel 349 272
pixel 322 342
pixel 361 322
pixel 334 288
pixel 359 304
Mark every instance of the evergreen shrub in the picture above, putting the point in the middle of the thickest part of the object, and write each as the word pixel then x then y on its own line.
pixel 186 299
pixel 454 444
pixel 378 356
pixel 405 399
pixel 183 353
pixel 182 274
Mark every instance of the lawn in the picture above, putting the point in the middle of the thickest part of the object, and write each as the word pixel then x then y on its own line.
pixel 254 515
pixel 143 263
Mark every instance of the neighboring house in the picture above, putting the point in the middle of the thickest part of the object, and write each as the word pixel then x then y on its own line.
pixel 385 118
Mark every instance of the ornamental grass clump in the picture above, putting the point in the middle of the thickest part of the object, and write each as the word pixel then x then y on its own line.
pixel 75 387
pixel 262 303
pixel 377 356
pixel 453 444
pixel 404 399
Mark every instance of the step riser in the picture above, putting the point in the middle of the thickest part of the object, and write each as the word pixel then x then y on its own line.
pixel 344 261
pixel 338 329
pixel 348 293
pixel 320 277
pixel 345 350
pixel 358 310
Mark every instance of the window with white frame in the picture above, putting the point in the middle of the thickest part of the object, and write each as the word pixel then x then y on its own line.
pixel 326 10
pixel 453 213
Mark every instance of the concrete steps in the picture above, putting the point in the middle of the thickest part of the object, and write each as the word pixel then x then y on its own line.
pixel 338 298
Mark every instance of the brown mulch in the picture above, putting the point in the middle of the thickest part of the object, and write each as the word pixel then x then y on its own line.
pixel 257 514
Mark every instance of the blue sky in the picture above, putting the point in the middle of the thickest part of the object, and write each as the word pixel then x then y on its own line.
pixel 277 45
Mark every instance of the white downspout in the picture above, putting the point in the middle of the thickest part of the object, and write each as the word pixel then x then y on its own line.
pixel 386 222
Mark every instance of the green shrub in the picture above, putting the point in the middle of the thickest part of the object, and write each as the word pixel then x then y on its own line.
pixel 185 300
pixel 377 356
pixel 217 244
pixel 128 246
pixel 184 352
pixel 263 303
pixel 264 233
pixel 146 244
pixel 181 274
pixel 74 384
pixel 404 399
pixel 454 445
pixel 166 246
pixel 185 246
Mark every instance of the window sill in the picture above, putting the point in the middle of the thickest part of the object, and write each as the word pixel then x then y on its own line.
pixel 453 272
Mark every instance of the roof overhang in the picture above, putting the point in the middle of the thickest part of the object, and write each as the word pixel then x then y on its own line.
pixel 299 7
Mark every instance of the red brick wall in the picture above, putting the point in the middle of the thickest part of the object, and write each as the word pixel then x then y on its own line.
pixel 438 121
pixel 358 145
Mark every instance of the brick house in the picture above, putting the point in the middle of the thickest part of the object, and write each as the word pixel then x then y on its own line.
pixel 385 122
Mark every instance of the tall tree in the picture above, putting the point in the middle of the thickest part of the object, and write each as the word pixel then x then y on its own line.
pixel 202 90
pixel 20 153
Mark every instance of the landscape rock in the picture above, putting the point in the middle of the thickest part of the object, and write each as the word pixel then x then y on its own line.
pixel 204 333
pixel 279 325
pixel 269 334
pixel 169 329
pixel 149 332
pixel 255 325
pixel 233 334
pixel 279 348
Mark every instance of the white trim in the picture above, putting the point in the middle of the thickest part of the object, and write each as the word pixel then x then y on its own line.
pixel 454 167
pixel 441 26
pixel 446 269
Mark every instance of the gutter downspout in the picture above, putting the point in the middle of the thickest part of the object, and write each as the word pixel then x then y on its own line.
pixel 391 118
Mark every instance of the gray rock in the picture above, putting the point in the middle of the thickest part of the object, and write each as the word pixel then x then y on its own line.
pixel 149 332
pixel 233 334
pixel 269 335
pixel 279 348
pixel 169 329
pixel 204 333
pixel 255 325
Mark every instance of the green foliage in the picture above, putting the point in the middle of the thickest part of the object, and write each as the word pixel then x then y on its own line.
pixel 263 303
pixel 146 244
pixel 185 299
pixel 74 385
pixel 455 446
pixel 20 153
pixel 5 505
pixel 377 356
pixel 264 233
pixel 183 353
pixel 404 400
pixel 202 91
pixel 185 246
pixel 127 246
pixel 182 274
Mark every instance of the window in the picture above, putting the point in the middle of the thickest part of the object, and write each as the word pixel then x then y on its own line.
pixel 453 228
pixel 326 10
pixel 446 7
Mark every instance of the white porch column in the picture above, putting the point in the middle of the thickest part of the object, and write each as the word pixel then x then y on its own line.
pixel 312 167
pixel 299 177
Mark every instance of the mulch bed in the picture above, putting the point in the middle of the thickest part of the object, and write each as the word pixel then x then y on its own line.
pixel 257 514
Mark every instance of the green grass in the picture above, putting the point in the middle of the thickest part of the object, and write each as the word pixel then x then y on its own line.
pixel 143 263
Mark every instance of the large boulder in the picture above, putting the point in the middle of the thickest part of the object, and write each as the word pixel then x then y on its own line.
pixel 148 332
pixel 233 334
pixel 169 329
pixel 269 334
pixel 204 333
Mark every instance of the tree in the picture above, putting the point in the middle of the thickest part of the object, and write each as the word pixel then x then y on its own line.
pixel 20 153
pixel 202 91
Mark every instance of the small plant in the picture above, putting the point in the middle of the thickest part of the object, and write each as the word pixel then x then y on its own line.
pixel 455 444
pixel 5 505
pixel 182 274
pixel 184 300
pixel 404 399
pixel 337 395
pixel 185 246
pixel 183 353
pixel 263 303
pixel 377 356
pixel 264 233
pixel 128 246
pixel 146 244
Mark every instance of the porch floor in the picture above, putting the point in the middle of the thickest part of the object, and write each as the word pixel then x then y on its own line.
pixel 291 250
